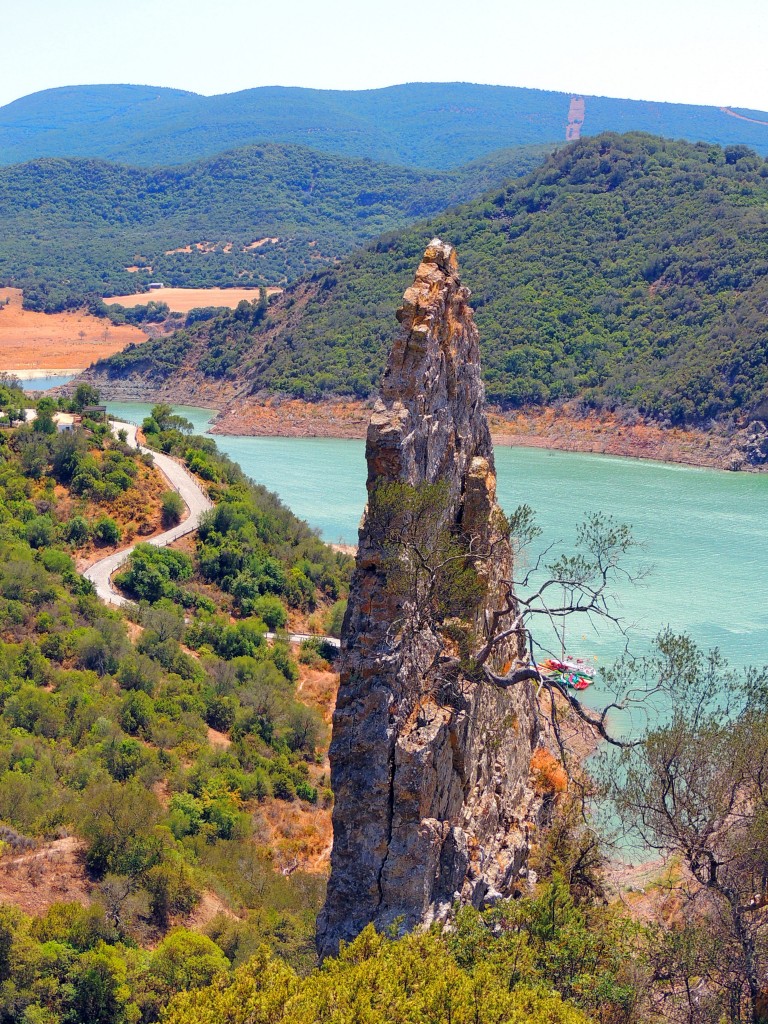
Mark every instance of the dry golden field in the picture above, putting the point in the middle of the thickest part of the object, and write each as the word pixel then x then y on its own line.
pixel 181 300
pixel 56 341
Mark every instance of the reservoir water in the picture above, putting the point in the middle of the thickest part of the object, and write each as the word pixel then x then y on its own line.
pixel 43 383
pixel 704 533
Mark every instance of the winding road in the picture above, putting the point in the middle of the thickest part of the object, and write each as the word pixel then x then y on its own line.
pixel 192 495
pixel 197 502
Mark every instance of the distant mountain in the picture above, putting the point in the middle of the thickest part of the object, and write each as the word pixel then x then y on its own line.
pixel 421 124
pixel 258 215
pixel 627 270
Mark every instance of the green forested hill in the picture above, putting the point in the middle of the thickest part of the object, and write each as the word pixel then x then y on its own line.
pixel 421 124
pixel 626 270
pixel 72 226
pixel 109 720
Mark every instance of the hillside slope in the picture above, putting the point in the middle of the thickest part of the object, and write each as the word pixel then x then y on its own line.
pixel 627 270
pixel 252 216
pixel 420 124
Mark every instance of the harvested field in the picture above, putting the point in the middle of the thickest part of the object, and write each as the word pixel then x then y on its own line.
pixel 56 341
pixel 181 300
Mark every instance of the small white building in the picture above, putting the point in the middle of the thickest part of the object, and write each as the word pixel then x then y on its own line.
pixel 64 421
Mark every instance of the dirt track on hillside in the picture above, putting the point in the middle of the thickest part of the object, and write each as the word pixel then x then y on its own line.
pixel 742 117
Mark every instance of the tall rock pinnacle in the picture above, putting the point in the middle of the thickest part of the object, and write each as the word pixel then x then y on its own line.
pixel 429 769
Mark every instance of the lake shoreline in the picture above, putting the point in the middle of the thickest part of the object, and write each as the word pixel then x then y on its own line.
pixel 600 433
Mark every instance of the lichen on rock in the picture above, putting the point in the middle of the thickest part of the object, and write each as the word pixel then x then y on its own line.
pixel 429 765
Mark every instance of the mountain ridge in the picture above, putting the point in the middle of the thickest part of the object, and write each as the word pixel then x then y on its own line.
pixel 434 125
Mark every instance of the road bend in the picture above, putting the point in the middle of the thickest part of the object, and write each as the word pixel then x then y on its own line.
pixel 197 502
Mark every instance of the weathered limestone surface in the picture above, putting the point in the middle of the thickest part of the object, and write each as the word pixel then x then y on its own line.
pixel 430 783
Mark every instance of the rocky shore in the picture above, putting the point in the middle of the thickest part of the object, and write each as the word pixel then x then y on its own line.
pixel 562 429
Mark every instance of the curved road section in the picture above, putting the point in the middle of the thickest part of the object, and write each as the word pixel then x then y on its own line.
pixel 192 495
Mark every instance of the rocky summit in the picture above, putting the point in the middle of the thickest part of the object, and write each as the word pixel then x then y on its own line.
pixel 429 763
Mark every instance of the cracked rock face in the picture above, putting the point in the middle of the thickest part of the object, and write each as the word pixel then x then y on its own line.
pixel 431 785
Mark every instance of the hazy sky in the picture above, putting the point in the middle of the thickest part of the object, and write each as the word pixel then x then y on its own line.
pixel 691 51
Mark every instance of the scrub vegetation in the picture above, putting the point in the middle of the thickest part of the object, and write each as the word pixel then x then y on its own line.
pixel 75 230
pixel 164 739
pixel 159 738
pixel 627 272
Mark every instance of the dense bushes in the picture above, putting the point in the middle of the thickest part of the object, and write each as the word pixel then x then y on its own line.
pixel 110 488
pixel 540 960
pixel 105 725
pixel 250 545
pixel 195 226
pixel 153 573
pixel 626 270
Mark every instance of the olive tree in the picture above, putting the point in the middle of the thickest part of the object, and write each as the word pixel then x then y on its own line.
pixel 697 787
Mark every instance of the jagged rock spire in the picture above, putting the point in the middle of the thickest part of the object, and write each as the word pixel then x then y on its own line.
pixel 430 794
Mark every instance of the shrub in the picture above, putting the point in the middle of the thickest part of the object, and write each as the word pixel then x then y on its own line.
pixel 271 610
pixel 171 889
pixel 152 573
pixel 334 618
pixel 58 561
pixel 106 531
pixel 40 532
pixel 137 712
pixel 172 508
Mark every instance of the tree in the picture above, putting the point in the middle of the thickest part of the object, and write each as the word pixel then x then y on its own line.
pixel 697 787
pixel 171 888
pixel 165 619
pixel 434 571
pixel 67 449
pixel 106 531
pixel 76 530
pixel 305 728
pixel 85 394
pixel 183 961
pixel 334 618
pixel 44 423
pixel 269 609
pixel 34 457
pixel 40 532
pixel 100 991
pixel 172 508
pixel 118 826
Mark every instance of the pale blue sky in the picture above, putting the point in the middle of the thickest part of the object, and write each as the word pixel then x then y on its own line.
pixel 691 51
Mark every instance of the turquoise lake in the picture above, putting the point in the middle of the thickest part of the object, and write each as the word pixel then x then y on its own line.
pixel 704 533
pixel 43 383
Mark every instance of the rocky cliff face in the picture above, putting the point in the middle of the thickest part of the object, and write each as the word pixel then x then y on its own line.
pixel 429 768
